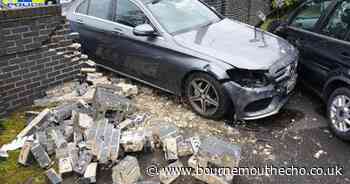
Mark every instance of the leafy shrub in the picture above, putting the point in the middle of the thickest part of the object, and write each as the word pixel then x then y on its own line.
pixel 287 3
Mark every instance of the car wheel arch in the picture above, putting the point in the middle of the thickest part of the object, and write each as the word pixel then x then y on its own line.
pixel 333 84
pixel 218 77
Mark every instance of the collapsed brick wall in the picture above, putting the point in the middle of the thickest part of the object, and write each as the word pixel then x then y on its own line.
pixel 241 10
pixel 36 53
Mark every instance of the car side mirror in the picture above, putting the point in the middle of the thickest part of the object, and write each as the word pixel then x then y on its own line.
pixel 144 30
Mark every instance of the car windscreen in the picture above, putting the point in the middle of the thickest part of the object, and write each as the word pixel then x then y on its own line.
pixel 180 15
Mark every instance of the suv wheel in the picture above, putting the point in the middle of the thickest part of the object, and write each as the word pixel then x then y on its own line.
pixel 206 96
pixel 338 109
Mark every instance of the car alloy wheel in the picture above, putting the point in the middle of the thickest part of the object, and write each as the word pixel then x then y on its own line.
pixel 203 96
pixel 338 109
pixel 340 113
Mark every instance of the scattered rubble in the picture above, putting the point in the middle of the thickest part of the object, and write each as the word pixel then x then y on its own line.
pixel 98 125
pixel 127 171
pixel 53 177
pixel 319 153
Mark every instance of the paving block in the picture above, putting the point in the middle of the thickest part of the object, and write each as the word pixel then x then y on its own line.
pixel 127 171
pixel 166 177
pixel 53 177
pixel 40 155
pixel 25 154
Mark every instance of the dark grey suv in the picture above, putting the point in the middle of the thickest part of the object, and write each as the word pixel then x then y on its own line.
pixel 321 31
pixel 187 48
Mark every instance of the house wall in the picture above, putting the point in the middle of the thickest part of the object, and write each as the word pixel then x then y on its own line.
pixel 241 10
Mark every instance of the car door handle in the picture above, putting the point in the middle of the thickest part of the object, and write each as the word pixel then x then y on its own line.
pixel 118 31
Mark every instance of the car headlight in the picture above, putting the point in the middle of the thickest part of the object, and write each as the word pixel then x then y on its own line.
pixel 249 78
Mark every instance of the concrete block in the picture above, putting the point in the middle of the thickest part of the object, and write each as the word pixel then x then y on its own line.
pixel 133 141
pixel 110 105
pixel 115 143
pixel 53 177
pixel 42 138
pixel 40 155
pixel 184 148
pixel 83 162
pixel 127 171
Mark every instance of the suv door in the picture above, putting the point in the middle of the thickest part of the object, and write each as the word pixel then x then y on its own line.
pixel 333 50
pixel 301 33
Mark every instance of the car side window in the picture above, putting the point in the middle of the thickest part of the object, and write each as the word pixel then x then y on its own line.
pixel 129 14
pixel 309 14
pixel 83 7
pixel 338 23
pixel 101 9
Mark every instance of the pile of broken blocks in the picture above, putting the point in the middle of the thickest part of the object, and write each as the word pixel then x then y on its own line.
pixel 84 136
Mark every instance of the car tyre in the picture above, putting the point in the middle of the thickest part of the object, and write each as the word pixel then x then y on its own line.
pixel 338 109
pixel 206 96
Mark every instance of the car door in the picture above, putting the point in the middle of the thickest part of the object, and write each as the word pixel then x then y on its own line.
pixel 76 19
pixel 301 33
pixel 141 56
pixel 95 26
pixel 332 50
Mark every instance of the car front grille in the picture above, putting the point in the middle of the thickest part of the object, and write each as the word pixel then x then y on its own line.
pixel 285 72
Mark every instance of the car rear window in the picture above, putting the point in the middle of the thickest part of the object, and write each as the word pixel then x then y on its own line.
pixel 101 9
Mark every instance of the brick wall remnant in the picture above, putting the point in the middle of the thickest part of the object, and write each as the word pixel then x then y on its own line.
pixel 36 53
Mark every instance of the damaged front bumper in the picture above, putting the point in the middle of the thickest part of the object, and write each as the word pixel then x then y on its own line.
pixel 256 103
